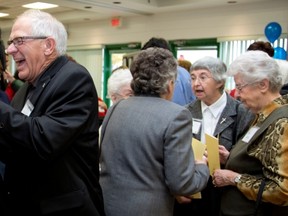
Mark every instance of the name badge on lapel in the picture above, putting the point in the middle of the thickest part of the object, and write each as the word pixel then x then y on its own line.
pixel 250 134
pixel 196 125
pixel 28 108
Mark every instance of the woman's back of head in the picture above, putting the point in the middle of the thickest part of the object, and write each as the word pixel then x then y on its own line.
pixel 152 69
pixel 156 42
pixel 263 46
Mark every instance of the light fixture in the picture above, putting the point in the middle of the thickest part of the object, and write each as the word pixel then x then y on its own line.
pixel 3 14
pixel 39 5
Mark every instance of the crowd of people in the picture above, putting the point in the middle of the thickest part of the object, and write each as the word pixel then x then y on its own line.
pixel 57 160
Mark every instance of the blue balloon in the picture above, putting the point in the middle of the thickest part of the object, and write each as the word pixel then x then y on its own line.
pixel 280 53
pixel 273 31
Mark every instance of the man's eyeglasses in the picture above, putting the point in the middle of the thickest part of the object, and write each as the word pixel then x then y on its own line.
pixel 20 40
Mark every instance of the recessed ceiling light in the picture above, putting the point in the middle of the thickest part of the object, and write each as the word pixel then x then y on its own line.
pixel 3 14
pixel 40 5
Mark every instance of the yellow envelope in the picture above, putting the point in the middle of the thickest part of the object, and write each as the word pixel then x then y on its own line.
pixel 196 196
pixel 212 145
pixel 198 149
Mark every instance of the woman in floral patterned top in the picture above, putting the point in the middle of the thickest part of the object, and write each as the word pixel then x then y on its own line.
pixel 258 82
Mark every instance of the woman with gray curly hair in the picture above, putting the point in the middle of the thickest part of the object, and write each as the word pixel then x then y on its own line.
pixel 146 157
pixel 256 170
pixel 154 73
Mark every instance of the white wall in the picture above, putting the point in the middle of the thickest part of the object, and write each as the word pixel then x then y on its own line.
pixel 238 21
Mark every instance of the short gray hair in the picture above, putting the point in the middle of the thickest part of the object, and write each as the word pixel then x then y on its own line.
pixel 44 24
pixel 215 66
pixel 255 66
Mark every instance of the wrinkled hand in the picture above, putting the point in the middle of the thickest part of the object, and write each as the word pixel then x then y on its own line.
pixel 183 199
pixel 223 177
pixel 223 154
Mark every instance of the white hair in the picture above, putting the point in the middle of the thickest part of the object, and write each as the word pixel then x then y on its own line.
pixel 118 79
pixel 44 24
pixel 256 65
pixel 283 67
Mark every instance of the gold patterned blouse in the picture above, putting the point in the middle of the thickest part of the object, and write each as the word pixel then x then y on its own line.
pixel 271 149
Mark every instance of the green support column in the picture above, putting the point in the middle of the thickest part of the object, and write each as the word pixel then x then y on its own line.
pixel 106 74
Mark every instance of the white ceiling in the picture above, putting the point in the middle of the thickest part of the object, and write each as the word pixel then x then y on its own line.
pixel 72 11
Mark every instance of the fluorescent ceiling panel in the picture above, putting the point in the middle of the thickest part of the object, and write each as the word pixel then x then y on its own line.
pixel 39 5
pixel 3 14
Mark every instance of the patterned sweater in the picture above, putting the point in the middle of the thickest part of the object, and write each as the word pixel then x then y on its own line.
pixel 267 157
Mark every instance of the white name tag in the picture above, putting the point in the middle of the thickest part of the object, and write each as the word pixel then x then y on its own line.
pixel 28 108
pixel 196 125
pixel 250 134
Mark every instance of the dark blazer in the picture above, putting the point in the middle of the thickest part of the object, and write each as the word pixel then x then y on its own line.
pixel 237 119
pixel 52 156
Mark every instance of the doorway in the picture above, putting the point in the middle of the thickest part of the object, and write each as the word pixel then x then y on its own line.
pixel 192 50
pixel 113 58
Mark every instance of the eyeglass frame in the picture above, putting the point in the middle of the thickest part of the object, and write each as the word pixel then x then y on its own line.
pixel 202 78
pixel 20 40
pixel 239 88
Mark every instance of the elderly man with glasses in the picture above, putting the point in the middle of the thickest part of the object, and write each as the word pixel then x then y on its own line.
pixel 49 136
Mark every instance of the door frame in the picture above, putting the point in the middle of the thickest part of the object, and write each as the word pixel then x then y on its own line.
pixel 108 50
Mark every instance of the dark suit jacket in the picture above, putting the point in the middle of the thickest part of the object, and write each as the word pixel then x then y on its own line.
pixel 52 156
pixel 237 120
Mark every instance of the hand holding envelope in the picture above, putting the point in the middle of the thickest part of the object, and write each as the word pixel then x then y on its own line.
pixel 199 150
pixel 212 144
pixel 212 147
